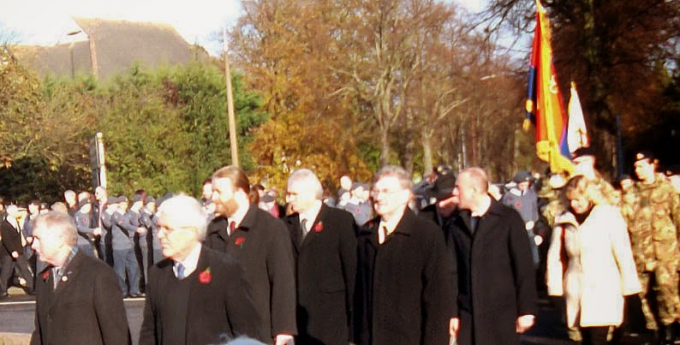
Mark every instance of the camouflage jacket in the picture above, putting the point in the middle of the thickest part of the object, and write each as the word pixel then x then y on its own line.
pixel 653 215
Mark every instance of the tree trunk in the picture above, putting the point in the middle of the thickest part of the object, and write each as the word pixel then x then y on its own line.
pixel 426 142
pixel 384 146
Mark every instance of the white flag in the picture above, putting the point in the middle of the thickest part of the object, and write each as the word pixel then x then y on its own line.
pixel 577 135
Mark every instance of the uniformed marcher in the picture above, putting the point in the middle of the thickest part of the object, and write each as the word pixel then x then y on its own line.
pixel 653 216
pixel 673 175
pixel 86 230
pixel 124 260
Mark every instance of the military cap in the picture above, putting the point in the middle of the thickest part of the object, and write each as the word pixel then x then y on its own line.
pixel 645 154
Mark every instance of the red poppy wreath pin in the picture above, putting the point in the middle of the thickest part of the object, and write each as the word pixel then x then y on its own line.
pixel 239 241
pixel 205 277
pixel 318 227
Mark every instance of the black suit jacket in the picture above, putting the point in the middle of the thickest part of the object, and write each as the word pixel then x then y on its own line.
pixel 217 306
pixel 405 293
pixel 85 308
pixel 11 239
pixel 262 247
pixel 496 275
pixel 326 271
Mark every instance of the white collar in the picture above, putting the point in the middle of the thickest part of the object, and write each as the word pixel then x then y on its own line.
pixel 311 213
pixel 190 262
pixel 238 216
pixel 392 223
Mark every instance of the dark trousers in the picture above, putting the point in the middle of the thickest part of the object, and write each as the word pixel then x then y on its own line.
pixel 594 335
pixel 144 251
pixel 124 261
pixel 7 271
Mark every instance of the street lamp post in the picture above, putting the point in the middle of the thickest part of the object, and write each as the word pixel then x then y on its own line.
pixel 230 105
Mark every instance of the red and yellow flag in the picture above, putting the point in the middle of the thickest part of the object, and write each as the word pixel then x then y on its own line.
pixel 544 101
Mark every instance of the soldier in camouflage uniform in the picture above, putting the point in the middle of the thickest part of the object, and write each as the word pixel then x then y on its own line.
pixel 652 210
pixel 551 191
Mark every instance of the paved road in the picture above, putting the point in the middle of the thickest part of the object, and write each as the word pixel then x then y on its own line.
pixel 17 316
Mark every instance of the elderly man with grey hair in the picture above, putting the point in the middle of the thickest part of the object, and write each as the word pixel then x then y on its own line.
pixel 78 300
pixel 324 248
pixel 196 295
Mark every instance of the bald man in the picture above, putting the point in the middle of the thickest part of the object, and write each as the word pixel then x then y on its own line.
pixel 496 277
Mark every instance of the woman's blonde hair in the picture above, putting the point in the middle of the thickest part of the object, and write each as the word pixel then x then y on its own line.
pixel 579 186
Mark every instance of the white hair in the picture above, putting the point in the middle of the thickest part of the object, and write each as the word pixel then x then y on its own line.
pixel 184 211
pixel 308 177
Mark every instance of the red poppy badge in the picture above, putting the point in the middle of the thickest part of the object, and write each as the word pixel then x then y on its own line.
pixel 205 277
pixel 239 241
pixel 46 274
pixel 318 227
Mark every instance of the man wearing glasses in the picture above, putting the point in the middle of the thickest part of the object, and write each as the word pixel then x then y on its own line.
pixel 405 278
pixel 197 295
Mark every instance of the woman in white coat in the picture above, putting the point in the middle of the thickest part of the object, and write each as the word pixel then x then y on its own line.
pixel 590 262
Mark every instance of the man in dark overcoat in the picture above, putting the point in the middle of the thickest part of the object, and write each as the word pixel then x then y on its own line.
pixel 261 245
pixel 324 247
pixel 78 299
pixel 496 277
pixel 196 295
pixel 405 291
pixel 12 252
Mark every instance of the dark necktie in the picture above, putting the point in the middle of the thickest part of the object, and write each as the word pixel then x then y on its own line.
pixel 474 223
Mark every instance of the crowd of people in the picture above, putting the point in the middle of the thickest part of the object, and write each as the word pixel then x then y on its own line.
pixel 453 257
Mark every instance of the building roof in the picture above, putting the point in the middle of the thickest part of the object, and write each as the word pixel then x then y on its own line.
pixel 114 45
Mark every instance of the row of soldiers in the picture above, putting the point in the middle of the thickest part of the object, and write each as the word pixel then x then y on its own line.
pixel 651 208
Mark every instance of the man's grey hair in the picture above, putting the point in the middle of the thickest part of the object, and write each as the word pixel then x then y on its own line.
pixel 308 177
pixel 58 222
pixel 184 211
pixel 396 171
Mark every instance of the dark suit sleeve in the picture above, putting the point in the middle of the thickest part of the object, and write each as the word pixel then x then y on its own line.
pixel 522 264
pixel 35 337
pixel 147 334
pixel 438 293
pixel 348 259
pixel 109 308
pixel 241 311
pixel 10 238
pixel 282 280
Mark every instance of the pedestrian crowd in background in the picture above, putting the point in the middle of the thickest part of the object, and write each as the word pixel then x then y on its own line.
pixel 453 256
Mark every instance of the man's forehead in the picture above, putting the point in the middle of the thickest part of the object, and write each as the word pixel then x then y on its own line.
pixel 388 180
pixel 642 163
pixel 221 182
